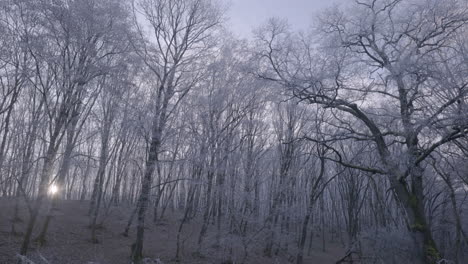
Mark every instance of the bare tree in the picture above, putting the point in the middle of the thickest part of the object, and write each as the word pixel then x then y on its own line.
pixel 181 36
pixel 65 62
pixel 396 56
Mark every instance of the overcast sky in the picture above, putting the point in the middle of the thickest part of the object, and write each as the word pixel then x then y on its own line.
pixel 247 14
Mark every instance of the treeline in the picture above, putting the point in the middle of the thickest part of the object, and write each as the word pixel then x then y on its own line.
pixel 356 130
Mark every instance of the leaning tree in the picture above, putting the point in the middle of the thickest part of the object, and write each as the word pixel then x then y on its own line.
pixel 391 73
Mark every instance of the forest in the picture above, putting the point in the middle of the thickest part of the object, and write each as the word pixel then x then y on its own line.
pixel 146 131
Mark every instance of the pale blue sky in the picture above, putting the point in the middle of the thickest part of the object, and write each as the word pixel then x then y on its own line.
pixel 248 14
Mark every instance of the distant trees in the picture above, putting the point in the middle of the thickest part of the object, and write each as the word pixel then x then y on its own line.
pixel 353 133
pixel 14 59
pixel 63 45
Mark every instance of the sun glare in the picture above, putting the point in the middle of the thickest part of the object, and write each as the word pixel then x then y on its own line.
pixel 53 189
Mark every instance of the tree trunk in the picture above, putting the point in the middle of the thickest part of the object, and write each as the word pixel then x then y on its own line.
pixel 137 247
pixel 60 181
pixel 412 202
pixel 100 179
pixel 42 193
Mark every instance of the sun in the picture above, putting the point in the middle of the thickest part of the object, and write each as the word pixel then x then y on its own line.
pixel 53 189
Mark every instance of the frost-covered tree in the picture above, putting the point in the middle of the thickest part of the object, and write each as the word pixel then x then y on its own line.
pixel 174 38
pixel 392 73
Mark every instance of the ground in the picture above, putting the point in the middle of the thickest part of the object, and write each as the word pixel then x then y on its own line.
pixel 68 239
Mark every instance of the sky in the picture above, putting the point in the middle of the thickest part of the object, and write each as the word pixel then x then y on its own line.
pixel 245 15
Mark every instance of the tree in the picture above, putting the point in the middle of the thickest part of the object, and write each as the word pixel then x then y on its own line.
pixel 181 36
pixel 14 62
pixel 68 51
pixel 407 60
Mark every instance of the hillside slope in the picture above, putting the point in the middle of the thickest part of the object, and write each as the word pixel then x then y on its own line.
pixel 68 240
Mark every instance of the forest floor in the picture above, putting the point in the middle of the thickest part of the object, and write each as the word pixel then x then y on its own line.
pixel 68 239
